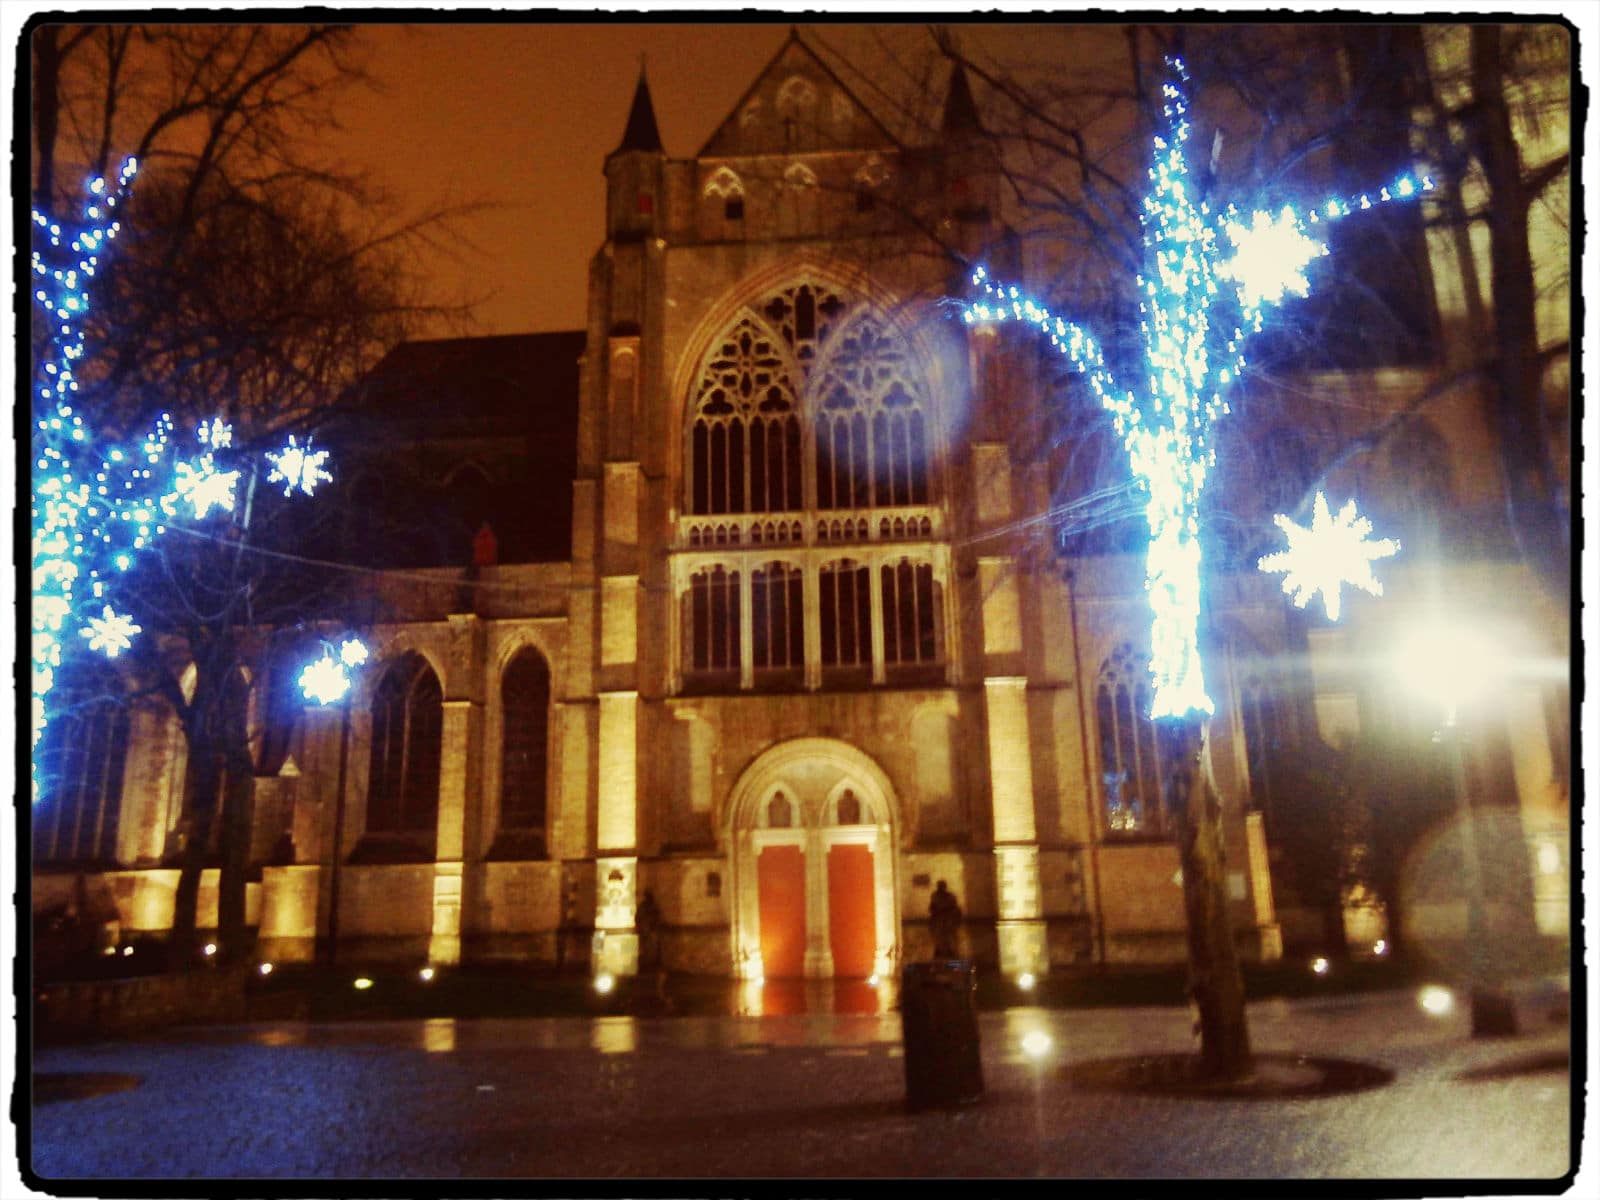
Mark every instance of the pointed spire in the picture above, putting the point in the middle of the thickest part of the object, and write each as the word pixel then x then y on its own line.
pixel 960 112
pixel 641 133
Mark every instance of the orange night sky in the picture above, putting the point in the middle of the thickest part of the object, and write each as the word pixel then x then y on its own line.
pixel 521 117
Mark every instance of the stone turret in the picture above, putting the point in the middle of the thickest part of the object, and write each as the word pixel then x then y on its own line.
pixel 634 181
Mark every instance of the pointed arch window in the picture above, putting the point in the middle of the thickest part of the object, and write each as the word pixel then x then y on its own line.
pixel 806 354
pixel 1133 749
pixel 846 610
pixel 524 745
pixel 910 615
pixel 711 622
pixel 81 761
pixel 407 732
pixel 777 642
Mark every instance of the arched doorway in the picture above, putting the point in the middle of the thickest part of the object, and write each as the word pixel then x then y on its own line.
pixel 812 836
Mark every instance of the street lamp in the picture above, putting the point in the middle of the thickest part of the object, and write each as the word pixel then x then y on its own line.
pixel 327 680
pixel 1451 665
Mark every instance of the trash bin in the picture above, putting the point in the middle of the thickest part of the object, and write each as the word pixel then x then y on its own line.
pixel 939 1028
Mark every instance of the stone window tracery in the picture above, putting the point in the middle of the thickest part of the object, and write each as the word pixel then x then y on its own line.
pixel 849 808
pixel 805 350
pixel 1132 754
pixel 910 615
pixel 846 605
pixel 711 621
pixel 778 617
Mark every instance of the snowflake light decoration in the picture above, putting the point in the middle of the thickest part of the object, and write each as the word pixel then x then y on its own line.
pixel 110 633
pixel 1193 348
pixel 1331 552
pixel 297 466
pixel 202 486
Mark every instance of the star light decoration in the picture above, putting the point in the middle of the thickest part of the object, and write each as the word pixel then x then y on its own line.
pixel 1192 259
pixel 96 505
pixel 327 679
pixel 1331 552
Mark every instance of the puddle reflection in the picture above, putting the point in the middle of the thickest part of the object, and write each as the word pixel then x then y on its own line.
pixel 803 997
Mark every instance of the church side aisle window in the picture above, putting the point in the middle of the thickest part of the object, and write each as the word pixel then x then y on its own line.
pixel 1131 750
pixel 407 730
pixel 778 614
pixel 525 704
pixel 81 760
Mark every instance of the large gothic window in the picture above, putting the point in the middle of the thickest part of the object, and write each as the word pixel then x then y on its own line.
pixel 524 752
pixel 80 766
pixel 806 355
pixel 407 730
pixel 1132 755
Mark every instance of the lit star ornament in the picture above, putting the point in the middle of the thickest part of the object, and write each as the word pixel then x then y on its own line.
pixel 110 633
pixel 1329 554
pixel 1203 283
pixel 297 466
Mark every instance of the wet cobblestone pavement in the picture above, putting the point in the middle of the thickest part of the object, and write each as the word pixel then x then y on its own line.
pixel 797 1096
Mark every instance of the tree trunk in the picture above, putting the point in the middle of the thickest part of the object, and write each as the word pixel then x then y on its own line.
pixel 238 814
pixel 1215 983
pixel 1516 401
pixel 204 778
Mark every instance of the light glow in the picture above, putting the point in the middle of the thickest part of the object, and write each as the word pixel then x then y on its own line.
pixel 1320 966
pixel 1036 1043
pixel 604 982
pixel 1436 1001
pixel 327 679
pixel 1331 553
pixel 1192 260
pixel 1025 981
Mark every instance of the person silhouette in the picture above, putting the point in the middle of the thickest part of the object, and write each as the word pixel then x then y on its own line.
pixel 944 918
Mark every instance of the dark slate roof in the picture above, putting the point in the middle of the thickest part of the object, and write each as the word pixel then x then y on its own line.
pixel 519 391
pixel 641 133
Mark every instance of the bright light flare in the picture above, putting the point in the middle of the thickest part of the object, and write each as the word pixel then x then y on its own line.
pixel 297 466
pixel 1036 1043
pixel 1026 980
pixel 426 974
pixel 1320 966
pixel 605 982
pixel 361 984
pixel 1448 663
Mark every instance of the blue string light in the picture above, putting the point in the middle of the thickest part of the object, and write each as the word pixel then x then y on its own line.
pixel 96 506
pixel 1192 258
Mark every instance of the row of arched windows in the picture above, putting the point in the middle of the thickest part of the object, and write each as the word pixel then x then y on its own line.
pixel 82 757
pixel 715 632
pixel 407 736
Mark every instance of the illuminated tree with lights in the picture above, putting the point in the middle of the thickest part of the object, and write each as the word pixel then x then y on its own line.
pixel 1206 283
pixel 244 301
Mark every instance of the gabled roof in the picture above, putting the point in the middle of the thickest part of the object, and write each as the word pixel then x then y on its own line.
pixel 641 132
pixel 840 120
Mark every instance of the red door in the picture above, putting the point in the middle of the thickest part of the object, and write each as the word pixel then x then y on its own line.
pixel 781 895
pixel 852 911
